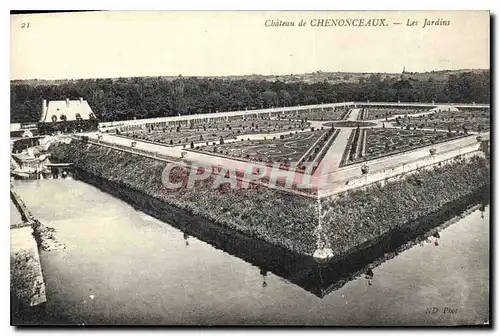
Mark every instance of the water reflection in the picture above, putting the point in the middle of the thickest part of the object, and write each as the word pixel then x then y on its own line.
pixel 304 271
pixel 139 270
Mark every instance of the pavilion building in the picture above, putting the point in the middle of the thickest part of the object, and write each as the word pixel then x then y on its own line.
pixel 67 116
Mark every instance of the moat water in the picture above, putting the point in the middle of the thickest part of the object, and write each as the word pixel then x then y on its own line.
pixel 122 266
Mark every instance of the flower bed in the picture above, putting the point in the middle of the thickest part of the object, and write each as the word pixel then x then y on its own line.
pixel 289 148
pixel 469 120
pixel 327 113
pixel 350 123
pixel 211 132
pixel 381 142
pixel 370 113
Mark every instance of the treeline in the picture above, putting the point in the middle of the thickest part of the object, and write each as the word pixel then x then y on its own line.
pixel 147 97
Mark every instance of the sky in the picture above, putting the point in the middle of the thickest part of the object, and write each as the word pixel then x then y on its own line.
pixel 142 43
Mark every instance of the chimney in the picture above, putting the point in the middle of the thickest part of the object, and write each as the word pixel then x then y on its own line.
pixel 67 102
pixel 81 100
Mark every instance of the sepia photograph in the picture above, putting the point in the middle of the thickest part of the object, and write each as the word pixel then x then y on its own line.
pixel 250 168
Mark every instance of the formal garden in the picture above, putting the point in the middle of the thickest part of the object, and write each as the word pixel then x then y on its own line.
pixel 374 143
pixel 211 133
pixel 285 149
pixel 318 114
pixel 370 113
pixel 462 120
pixel 350 123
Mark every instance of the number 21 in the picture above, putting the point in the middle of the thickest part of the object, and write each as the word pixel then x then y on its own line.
pixel 25 25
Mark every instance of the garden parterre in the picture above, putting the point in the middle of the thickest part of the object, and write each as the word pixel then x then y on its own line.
pixel 208 133
pixel 370 113
pixel 469 120
pixel 373 143
pixel 286 148
pixel 318 114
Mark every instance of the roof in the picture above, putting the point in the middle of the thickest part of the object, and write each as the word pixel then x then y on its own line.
pixel 69 108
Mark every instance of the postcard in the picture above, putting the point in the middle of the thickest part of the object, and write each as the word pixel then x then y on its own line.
pixel 249 168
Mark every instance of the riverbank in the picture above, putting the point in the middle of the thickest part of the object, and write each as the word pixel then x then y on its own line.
pixel 359 217
pixel 274 216
pixel 27 285
pixel 365 257
pixel 280 218
pixel 184 277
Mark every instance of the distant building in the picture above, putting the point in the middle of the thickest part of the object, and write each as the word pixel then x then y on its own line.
pixel 18 130
pixel 67 116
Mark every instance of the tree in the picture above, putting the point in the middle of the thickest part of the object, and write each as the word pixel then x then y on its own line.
pixel 147 97
pixel 192 145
